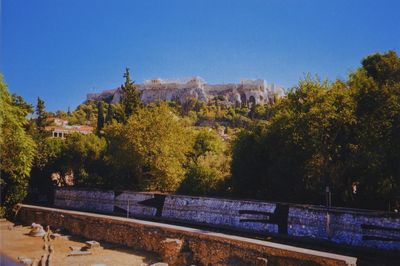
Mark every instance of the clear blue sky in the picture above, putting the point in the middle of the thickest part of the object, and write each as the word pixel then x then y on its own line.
pixel 61 50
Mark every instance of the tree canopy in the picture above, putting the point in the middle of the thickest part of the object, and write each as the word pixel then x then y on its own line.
pixel 41 115
pixel 343 134
pixel 154 143
pixel 17 149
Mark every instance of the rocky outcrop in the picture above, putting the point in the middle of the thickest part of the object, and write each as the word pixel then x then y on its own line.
pixel 246 92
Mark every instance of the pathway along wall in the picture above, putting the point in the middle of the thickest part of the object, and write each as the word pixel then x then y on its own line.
pixel 359 228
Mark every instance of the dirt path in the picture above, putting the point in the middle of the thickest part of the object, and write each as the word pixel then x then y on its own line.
pixel 15 242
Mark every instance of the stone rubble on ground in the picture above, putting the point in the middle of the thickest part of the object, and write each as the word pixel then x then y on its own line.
pixel 25 260
pixel 92 244
pixel 90 247
pixel 79 253
pixel 72 248
pixel 37 230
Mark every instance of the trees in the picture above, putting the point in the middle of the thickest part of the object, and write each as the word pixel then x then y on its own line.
pixel 20 102
pixel 130 95
pixel 41 115
pixel 154 145
pixel 38 133
pixel 17 149
pixel 382 68
pixel 110 114
pixel 305 147
pixel 86 114
pixel 100 116
pixel 48 161
pixel 206 141
pixel 208 166
pixel 78 158
pixel 251 167
pixel 83 155
pixel 376 90
pixel 341 134
pixel 200 180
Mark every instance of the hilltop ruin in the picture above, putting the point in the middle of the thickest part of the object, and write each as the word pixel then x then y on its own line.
pixel 243 93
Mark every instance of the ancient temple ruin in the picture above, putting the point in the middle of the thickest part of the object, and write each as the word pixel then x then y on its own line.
pixel 243 93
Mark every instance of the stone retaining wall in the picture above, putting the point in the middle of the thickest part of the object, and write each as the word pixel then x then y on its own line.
pixel 91 200
pixel 369 229
pixel 178 245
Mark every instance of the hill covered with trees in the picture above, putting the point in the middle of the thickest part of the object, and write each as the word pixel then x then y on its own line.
pixel 342 135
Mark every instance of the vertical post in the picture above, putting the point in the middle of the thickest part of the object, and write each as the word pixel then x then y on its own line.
pixel 328 197
pixel 127 210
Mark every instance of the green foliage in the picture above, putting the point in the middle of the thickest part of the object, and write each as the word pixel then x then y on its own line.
pixel 41 115
pixel 303 149
pixel 328 134
pixel 235 117
pixel 154 145
pixel 62 115
pixel 376 90
pixel 383 68
pixel 200 180
pixel 25 107
pixel 110 114
pixel 85 114
pixel 17 148
pixel 209 167
pixel 189 105
pixel 334 134
pixel 206 140
pixel 100 116
pixel 83 155
pixel 130 96
pixel 78 156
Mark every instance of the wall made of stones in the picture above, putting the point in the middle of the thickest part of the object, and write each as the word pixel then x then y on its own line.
pixel 220 212
pixel 177 245
pixel 135 202
pixel 91 200
pixel 368 229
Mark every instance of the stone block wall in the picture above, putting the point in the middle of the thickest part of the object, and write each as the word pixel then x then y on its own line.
pixel 219 212
pixel 178 245
pixel 91 200
pixel 135 202
pixel 359 228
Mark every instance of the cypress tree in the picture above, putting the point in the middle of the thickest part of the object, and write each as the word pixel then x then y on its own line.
pixel 130 95
pixel 110 114
pixel 41 115
pixel 100 116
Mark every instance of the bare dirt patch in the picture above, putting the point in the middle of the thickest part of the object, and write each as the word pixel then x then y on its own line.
pixel 15 242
